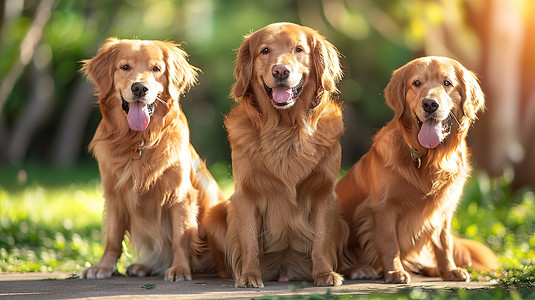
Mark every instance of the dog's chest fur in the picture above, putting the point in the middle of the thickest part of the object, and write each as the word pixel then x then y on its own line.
pixel 287 152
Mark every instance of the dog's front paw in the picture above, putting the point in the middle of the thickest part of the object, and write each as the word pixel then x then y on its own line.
pixel 98 272
pixel 138 270
pixel 328 279
pixel 249 281
pixel 397 277
pixel 458 274
pixel 177 274
pixel 361 272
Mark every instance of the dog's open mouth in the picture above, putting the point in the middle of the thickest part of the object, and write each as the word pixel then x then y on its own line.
pixel 283 96
pixel 138 114
pixel 433 132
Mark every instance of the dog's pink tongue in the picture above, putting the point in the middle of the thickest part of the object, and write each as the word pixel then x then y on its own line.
pixel 281 94
pixel 430 134
pixel 138 116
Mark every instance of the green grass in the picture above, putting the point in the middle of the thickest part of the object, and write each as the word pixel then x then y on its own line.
pixel 50 220
pixel 46 225
pixel 492 213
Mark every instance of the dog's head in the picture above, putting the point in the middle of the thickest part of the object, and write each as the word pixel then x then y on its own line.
pixel 284 63
pixel 131 75
pixel 433 97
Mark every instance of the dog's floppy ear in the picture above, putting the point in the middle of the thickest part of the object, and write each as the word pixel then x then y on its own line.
pixel 326 61
pixel 180 74
pixel 100 69
pixel 395 91
pixel 243 71
pixel 473 99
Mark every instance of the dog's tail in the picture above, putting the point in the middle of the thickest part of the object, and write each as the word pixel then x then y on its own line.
pixel 467 253
pixel 215 223
pixel 474 254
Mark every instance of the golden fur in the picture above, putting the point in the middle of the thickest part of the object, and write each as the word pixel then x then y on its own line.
pixel 156 188
pixel 399 198
pixel 282 218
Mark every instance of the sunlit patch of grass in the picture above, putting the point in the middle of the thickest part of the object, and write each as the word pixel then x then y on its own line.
pixel 518 272
pixel 49 227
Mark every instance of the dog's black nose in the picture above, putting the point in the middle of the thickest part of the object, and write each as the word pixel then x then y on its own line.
pixel 280 72
pixel 140 89
pixel 430 105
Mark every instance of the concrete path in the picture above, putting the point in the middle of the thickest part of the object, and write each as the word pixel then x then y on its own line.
pixel 59 286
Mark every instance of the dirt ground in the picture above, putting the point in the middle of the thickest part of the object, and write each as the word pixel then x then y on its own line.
pixel 63 286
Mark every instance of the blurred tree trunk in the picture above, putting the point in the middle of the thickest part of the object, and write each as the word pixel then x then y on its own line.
pixel 2 16
pixel 38 107
pixel 500 72
pixel 499 136
pixel 525 171
pixel 27 49
pixel 66 148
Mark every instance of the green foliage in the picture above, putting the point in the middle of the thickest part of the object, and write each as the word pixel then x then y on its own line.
pixel 491 212
pixel 519 273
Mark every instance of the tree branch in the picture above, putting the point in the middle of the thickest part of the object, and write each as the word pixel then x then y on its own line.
pixel 27 49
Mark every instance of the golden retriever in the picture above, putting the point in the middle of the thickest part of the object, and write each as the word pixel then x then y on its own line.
pixel 400 197
pixel 285 140
pixel 156 187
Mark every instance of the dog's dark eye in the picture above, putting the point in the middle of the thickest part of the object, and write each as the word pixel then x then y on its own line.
pixel 299 49
pixel 156 69
pixel 447 83
pixel 416 83
pixel 265 50
pixel 125 67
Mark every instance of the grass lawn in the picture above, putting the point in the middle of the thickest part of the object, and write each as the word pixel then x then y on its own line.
pixel 50 220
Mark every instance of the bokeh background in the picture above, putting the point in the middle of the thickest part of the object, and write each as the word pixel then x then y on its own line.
pixel 51 201
pixel 48 112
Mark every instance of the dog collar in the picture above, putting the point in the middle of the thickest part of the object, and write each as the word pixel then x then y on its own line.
pixel 139 151
pixel 416 156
